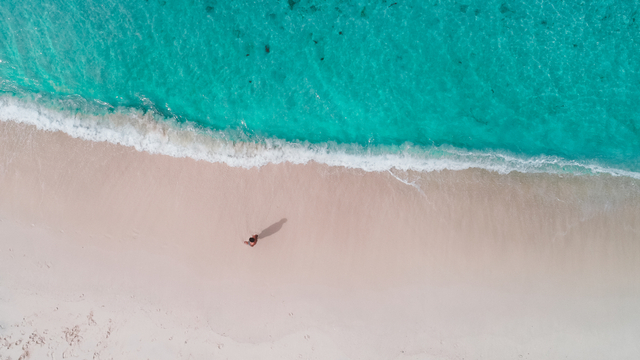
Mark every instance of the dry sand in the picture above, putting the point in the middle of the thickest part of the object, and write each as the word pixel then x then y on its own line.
pixel 106 252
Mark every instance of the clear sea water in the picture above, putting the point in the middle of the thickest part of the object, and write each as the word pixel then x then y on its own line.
pixel 540 86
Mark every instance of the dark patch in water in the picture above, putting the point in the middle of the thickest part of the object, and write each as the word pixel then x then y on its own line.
pixel 483 122
pixel 210 6
pixel 266 48
pixel 504 9
pixel 463 8
pixel 477 12
pixel 292 3
pixel 393 4
pixel 363 12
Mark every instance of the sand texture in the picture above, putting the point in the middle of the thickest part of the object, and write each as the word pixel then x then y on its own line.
pixel 110 253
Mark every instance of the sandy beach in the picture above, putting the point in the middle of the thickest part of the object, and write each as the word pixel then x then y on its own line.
pixel 111 253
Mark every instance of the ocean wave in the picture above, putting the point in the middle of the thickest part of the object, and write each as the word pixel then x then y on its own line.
pixel 152 132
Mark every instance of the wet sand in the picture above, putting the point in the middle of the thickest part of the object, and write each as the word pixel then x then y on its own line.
pixel 110 252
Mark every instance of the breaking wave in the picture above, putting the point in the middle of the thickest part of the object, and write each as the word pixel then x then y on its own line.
pixel 155 133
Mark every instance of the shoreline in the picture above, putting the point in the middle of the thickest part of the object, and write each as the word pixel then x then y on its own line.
pixel 465 263
pixel 146 132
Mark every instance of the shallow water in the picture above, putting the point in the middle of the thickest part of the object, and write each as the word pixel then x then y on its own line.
pixel 473 83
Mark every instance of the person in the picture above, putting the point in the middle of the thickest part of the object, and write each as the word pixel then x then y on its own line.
pixel 253 240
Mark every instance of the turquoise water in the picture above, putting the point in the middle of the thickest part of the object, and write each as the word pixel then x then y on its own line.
pixel 551 79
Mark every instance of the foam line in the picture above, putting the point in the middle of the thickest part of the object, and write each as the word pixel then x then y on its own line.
pixel 148 132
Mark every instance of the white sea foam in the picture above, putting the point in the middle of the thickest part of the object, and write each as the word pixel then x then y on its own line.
pixel 147 132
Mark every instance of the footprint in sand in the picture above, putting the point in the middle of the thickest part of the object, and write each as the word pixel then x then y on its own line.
pixel 90 319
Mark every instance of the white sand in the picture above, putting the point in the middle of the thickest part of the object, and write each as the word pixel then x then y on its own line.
pixel 106 252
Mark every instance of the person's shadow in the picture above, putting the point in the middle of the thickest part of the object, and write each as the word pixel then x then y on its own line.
pixel 272 229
